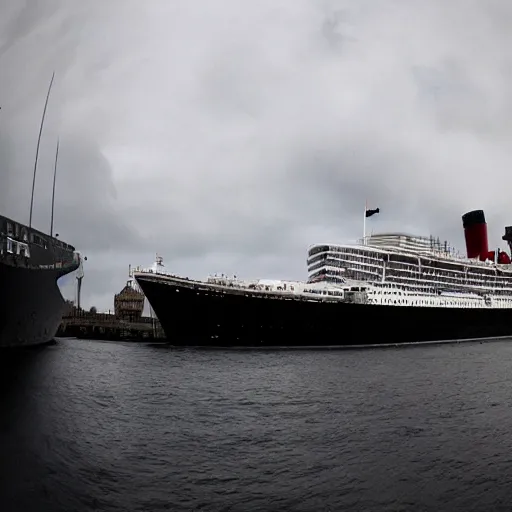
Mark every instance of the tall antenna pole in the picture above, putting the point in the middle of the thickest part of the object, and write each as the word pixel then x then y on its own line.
pixel 79 278
pixel 37 152
pixel 53 193
pixel 364 221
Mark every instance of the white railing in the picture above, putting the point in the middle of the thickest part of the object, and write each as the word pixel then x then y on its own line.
pixel 147 270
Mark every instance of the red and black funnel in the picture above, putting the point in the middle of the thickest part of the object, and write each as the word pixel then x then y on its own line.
pixel 475 232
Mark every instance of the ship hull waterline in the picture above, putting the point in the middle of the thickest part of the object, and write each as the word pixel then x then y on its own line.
pixel 31 305
pixel 195 314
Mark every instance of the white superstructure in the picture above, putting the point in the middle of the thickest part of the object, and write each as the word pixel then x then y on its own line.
pixel 400 269
pixel 389 269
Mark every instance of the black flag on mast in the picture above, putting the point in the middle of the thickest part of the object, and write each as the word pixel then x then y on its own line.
pixel 369 213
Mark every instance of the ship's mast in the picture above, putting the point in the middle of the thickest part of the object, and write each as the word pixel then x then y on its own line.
pixel 158 263
pixel 53 192
pixel 37 151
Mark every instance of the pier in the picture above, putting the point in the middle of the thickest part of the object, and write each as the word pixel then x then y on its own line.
pixel 125 324
pixel 104 326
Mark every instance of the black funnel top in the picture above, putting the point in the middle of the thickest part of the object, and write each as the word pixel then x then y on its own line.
pixel 472 218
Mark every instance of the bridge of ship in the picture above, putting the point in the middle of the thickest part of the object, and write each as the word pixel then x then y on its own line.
pixel 28 247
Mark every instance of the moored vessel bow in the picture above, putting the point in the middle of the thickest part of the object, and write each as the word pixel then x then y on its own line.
pixel 31 304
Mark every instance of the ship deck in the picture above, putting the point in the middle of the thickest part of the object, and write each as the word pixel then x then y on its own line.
pixel 241 289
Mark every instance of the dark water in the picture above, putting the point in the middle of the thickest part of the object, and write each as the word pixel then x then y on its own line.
pixel 101 426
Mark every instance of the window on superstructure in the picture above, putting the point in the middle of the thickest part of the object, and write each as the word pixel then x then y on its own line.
pixel 23 250
pixel 10 231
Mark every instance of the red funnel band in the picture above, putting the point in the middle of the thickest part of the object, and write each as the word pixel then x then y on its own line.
pixel 477 245
pixel 503 258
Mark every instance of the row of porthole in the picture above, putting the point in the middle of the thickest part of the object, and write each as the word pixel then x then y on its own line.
pixel 396 301
pixel 471 280
pixel 421 303
pixel 447 275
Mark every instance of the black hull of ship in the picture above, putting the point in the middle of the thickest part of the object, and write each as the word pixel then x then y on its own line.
pixel 31 305
pixel 202 316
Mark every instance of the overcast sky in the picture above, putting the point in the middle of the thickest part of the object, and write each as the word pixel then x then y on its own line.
pixel 230 135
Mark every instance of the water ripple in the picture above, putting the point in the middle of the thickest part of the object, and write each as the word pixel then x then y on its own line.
pixel 122 427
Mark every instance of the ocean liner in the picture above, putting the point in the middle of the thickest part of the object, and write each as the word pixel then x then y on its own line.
pixel 31 304
pixel 389 288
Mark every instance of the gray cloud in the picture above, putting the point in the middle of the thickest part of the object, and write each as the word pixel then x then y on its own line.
pixel 230 136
